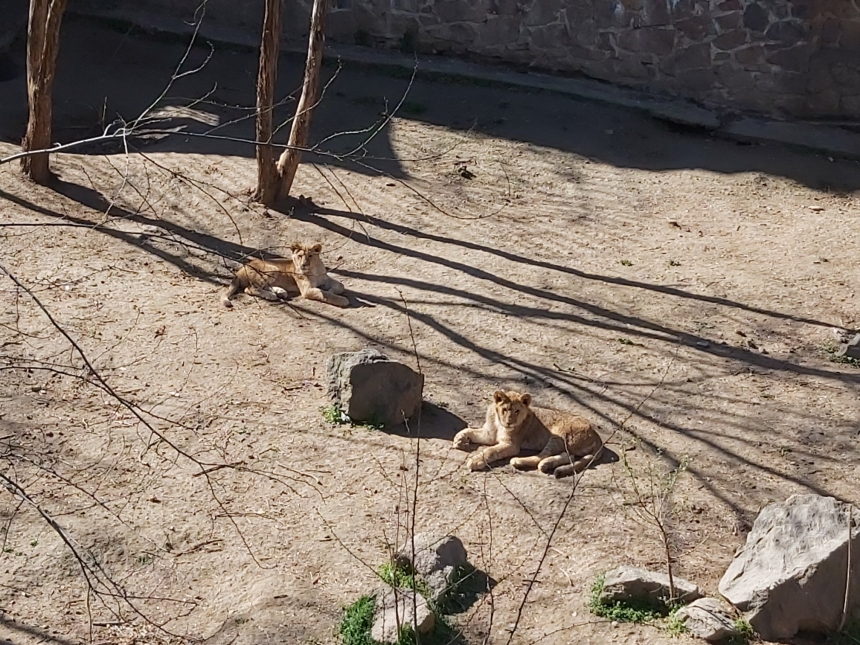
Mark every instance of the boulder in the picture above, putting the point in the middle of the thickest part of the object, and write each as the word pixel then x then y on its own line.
pixel 709 619
pixel 790 575
pixel 371 388
pixel 437 562
pixel 396 608
pixel 629 583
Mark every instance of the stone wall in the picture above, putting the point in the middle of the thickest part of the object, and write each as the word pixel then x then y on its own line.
pixel 792 58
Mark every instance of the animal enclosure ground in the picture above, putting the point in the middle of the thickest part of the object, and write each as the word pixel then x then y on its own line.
pixel 592 256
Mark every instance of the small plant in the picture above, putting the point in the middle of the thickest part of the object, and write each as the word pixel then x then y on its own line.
pixel 625 341
pixel 624 611
pixel 34 543
pixel 357 621
pixel 674 625
pixel 334 415
pixel 626 263
pixel 401 576
pixel 745 633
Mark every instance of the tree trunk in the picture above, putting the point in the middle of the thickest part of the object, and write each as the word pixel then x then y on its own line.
pixel 43 43
pixel 268 183
pixel 288 163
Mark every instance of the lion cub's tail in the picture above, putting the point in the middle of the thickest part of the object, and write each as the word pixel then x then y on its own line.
pixel 235 287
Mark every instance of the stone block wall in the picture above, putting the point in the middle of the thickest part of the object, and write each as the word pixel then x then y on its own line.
pixel 795 58
pixel 790 58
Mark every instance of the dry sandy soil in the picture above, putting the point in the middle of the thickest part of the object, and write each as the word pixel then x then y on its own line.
pixel 601 261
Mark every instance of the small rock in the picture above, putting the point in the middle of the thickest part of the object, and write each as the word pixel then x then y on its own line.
pixel 790 574
pixel 709 619
pixel 851 348
pixel 437 561
pixel 627 583
pixel 403 605
pixel 371 388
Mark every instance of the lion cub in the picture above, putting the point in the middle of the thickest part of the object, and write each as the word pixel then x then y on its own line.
pixel 304 274
pixel 567 442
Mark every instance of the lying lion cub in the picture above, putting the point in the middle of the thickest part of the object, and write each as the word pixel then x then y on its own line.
pixel 568 443
pixel 304 274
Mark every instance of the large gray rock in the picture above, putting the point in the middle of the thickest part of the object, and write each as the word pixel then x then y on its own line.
pixel 371 388
pixel 709 619
pixel 629 583
pixel 790 575
pixel 437 561
pixel 396 608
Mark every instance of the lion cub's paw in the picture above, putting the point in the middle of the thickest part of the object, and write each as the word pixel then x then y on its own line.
pixel 461 440
pixel 546 467
pixel 477 462
pixel 518 462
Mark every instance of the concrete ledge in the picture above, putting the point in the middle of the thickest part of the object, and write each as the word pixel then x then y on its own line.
pixel 833 140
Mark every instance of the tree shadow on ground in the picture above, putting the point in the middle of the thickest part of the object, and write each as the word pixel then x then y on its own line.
pixel 591 395
pixel 29 632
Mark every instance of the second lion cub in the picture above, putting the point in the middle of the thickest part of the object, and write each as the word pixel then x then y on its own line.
pixel 304 274
pixel 568 443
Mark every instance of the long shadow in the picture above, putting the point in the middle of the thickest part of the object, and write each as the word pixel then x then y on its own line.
pixel 572 387
pixel 28 631
pixel 584 395
pixel 304 212
pixel 622 323
pixel 176 233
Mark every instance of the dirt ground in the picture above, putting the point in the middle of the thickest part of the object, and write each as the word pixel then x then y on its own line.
pixel 592 256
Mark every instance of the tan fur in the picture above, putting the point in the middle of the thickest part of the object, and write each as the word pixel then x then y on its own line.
pixel 304 274
pixel 568 443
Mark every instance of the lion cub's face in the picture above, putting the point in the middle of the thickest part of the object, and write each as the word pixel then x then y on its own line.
pixel 304 255
pixel 512 408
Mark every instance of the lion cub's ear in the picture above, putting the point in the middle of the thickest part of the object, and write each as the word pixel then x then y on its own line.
pixel 499 396
pixel 526 399
pixel 316 248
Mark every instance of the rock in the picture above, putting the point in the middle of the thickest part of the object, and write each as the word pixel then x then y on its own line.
pixel 371 388
pixel 393 605
pixel 628 583
pixel 709 619
pixel 790 575
pixel 851 348
pixel 437 561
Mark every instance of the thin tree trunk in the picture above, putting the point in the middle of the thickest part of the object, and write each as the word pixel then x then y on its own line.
pixel 268 183
pixel 288 163
pixel 43 43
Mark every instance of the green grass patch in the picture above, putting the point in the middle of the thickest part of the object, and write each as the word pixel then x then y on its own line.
pixel 675 626
pixel 639 611
pixel 357 621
